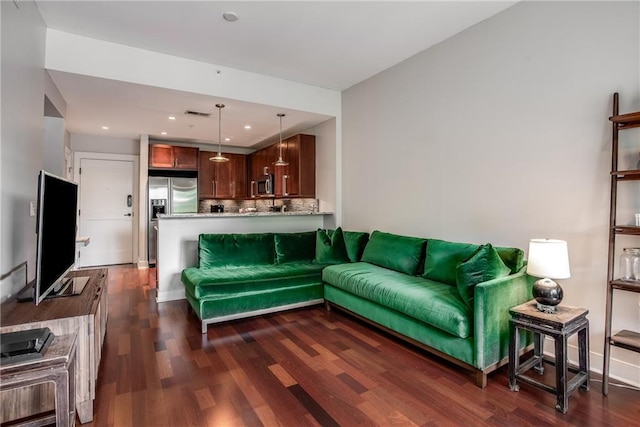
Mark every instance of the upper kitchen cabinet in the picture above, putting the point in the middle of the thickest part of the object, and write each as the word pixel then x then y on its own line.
pixel 299 177
pixel 225 180
pixel 162 156
pixel 261 161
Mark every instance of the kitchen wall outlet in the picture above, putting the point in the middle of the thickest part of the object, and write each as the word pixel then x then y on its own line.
pixel 32 209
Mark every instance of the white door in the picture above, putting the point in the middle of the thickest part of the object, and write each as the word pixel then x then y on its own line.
pixel 106 211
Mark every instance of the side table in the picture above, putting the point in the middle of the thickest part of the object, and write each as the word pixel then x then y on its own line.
pixel 566 322
pixel 57 366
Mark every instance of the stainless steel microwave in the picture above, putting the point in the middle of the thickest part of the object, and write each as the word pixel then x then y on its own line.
pixel 262 186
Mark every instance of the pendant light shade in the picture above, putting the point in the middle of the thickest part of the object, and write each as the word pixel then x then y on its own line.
pixel 280 161
pixel 219 157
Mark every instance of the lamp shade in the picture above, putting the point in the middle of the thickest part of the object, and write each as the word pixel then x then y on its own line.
pixel 548 258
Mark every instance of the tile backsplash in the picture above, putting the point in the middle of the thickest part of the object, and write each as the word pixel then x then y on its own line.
pixel 261 205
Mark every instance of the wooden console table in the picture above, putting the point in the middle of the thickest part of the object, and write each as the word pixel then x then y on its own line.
pixel 57 366
pixel 84 315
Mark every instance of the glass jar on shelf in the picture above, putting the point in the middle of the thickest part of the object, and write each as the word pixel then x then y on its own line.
pixel 630 264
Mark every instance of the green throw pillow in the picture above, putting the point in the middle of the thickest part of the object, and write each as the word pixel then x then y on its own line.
pixel 292 247
pixel 355 241
pixel 512 258
pixel 442 258
pixel 485 264
pixel 330 247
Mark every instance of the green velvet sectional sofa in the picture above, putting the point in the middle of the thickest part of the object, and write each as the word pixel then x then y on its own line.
pixel 451 299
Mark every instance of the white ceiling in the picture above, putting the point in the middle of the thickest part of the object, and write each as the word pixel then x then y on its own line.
pixel 330 44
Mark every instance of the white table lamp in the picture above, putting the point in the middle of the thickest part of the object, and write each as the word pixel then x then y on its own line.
pixel 548 259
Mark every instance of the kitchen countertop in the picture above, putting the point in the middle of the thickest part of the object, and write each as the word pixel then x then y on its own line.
pixel 237 214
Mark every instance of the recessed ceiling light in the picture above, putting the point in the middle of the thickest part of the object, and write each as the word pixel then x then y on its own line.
pixel 163 133
pixel 247 126
pixel 172 118
pixel 227 139
pixel 230 16
pixel 105 127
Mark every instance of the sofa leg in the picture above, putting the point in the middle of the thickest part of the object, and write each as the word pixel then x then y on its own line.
pixel 204 328
pixel 327 306
pixel 481 379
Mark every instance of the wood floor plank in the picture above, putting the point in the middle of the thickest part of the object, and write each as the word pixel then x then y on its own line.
pixel 123 410
pixel 304 367
pixel 282 375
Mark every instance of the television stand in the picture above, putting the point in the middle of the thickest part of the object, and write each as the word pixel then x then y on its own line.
pixel 68 287
pixel 84 315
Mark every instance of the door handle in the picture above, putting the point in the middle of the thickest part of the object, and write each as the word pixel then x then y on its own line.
pixel 128 214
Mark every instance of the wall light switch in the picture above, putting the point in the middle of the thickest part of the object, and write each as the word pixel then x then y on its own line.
pixel 32 209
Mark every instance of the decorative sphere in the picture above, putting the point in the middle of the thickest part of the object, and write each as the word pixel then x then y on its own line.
pixel 547 292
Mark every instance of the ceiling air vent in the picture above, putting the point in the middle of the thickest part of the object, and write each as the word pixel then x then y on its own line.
pixel 197 113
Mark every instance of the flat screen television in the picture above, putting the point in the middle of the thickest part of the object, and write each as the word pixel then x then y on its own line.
pixel 55 239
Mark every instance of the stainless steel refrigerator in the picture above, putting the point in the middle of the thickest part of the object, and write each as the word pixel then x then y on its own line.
pixel 169 195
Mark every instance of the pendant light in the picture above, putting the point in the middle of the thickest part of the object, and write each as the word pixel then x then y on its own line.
pixel 281 162
pixel 219 157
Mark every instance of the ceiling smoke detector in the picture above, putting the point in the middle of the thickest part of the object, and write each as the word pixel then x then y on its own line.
pixel 197 113
pixel 230 16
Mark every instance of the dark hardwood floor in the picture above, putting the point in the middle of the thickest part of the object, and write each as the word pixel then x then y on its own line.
pixel 303 367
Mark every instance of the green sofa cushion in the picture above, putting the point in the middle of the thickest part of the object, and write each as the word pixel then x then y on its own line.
pixel 434 303
pixel 226 250
pixel 205 282
pixel 330 249
pixel 459 348
pixel 442 258
pixel 228 304
pixel 355 241
pixel 485 264
pixel 291 247
pixel 512 258
pixel 399 253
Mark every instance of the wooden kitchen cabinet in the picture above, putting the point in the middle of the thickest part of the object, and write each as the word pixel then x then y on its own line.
pixel 299 177
pixel 261 162
pixel 163 156
pixel 261 159
pixel 226 180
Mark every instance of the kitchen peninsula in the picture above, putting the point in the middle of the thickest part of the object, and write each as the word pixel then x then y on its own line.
pixel 178 238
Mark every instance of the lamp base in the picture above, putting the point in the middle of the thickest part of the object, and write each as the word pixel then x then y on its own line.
pixel 546 308
pixel 548 294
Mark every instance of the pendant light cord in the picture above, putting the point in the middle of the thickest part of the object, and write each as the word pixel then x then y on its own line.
pixel 219 157
pixel 220 106
pixel 280 161
pixel 281 116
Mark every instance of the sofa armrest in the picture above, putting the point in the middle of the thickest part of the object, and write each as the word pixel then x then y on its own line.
pixel 492 302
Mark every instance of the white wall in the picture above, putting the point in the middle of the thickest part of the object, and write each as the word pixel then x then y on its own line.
pixel 104 144
pixel 326 189
pixel 52 92
pixel 500 134
pixel 23 49
pixel 54 140
pixel 81 55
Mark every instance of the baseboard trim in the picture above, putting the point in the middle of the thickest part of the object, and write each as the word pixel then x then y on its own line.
pixel 618 369
pixel 142 265
pixel 173 295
